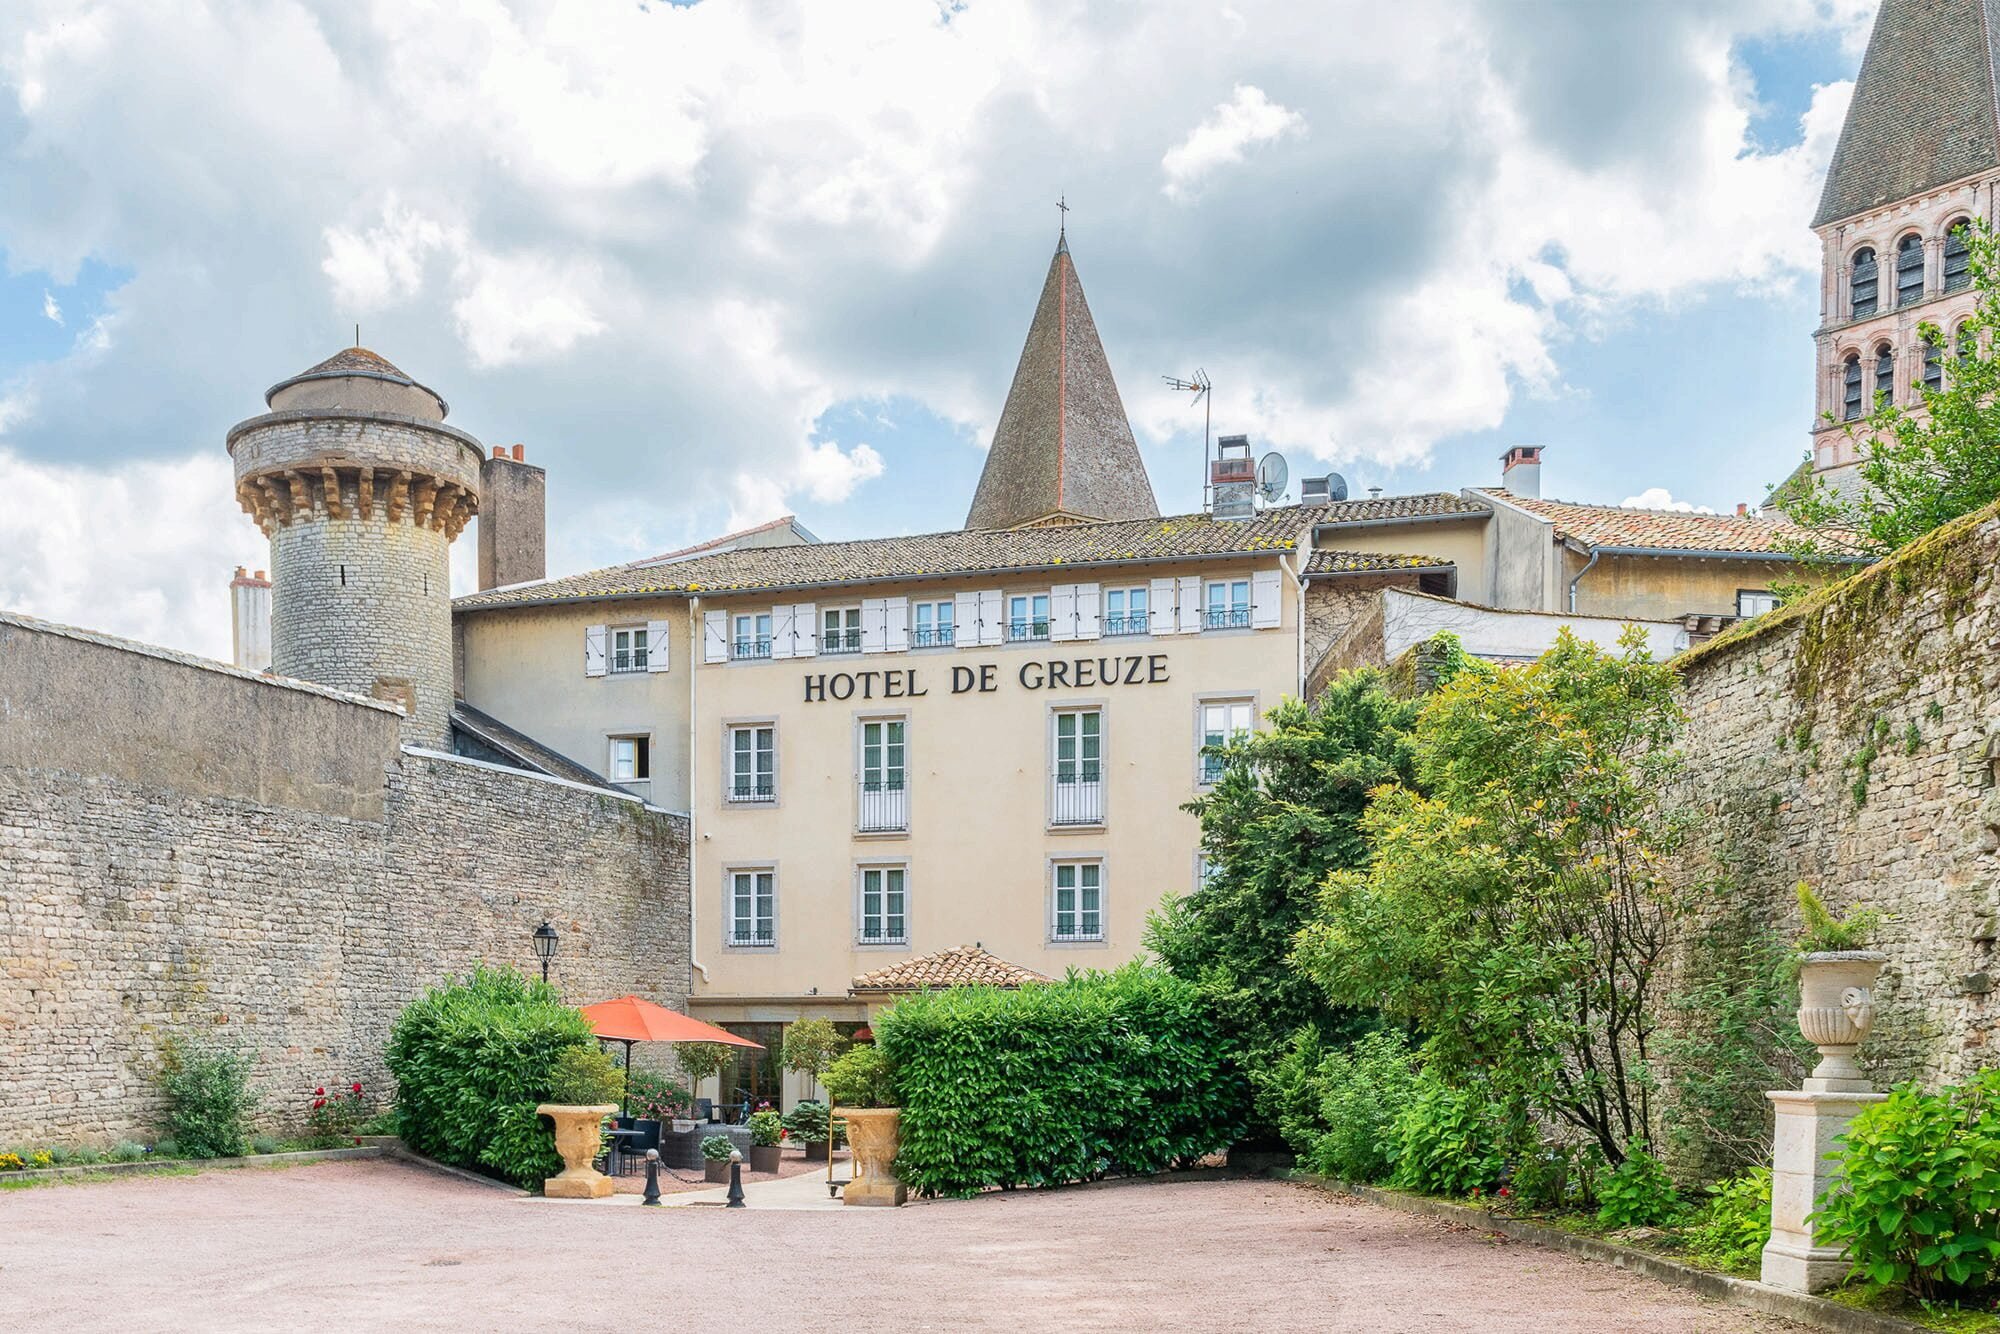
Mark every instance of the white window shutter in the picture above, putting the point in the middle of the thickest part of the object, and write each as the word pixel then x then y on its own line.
pixel 783 631
pixel 965 619
pixel 1160 607
pixel 992 617
pixel 1190 618
pixel 715 636
pixel 658 635
pixel 593 650
pixel 1266 601
pixel 898 612
pixel 1087 618
pixel 805 629
pixel 1062 612
pixel 874 625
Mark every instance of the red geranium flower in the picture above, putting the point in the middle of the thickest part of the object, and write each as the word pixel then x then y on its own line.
pixel 319 1104
pixel 357 1086
pixel 320 1091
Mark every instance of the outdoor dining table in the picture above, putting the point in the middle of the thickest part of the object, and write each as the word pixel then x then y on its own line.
pixel 616 1154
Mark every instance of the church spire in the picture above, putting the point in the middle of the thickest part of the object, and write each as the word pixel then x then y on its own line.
pixel 1063 450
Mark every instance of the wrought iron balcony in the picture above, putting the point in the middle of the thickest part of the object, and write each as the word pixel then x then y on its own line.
pixel 1077 796
pixel 629 660
pixel 943 636
pixel 1024 632
pixel 1136 623
pixel 759 647
pixel 747 936
pixel 891 932
pixel 751 791
pixel 883 806
pixel 840 641
pixel 1226 618
pixel 1081 926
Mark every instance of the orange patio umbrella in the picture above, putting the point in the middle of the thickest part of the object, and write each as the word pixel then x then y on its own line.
pixel 631 1019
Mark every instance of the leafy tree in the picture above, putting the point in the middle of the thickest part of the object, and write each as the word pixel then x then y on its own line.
pixel 1286 810
pixel 699 1060
pixel 810 1047
pixel 1515 908
pixel 1924 464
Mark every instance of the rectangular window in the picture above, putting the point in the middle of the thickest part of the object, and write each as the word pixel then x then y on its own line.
pixel 884 919
pixel 1125 611
pixel 1228 605
pixel 840 630
pixel 1078 754
pixel 1755 601
pixel 628 649
pixel 753 909
pixel 631 759
pixel 753 763
pixel 931 624
pixel 1076 901
pixel 1222 721
pixel 1204 871
pixel 1027 617
pixel 884 805
pixel 753 636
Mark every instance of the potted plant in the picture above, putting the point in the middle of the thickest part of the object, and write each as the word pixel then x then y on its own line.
pixel 584 1088
pixel 765 1129
pixel 699 1061
pixel 716 1151
pixel 806 1124
pixel 862 1084
pixel 1836 989
pixel 809 1048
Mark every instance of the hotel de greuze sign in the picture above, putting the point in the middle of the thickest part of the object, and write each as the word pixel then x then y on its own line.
pixel 1136 669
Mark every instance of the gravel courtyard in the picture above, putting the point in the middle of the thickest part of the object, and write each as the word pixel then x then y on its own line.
pixel 368 1245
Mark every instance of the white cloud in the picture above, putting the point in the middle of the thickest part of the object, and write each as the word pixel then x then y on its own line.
pixel 50 310
pixel 1659 498
pixel 525 306
pixel 1248 118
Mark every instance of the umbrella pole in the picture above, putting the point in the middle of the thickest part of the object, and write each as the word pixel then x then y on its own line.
pixel 625 1102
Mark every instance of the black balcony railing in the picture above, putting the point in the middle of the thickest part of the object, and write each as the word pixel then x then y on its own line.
pixel 1023 632
pixel 1077 797
pixel 760 647
pixel 747 935
pixel 1226 618
pixel 629 660
pixel 1135 623
pixel 1212 767
pixel 840 641
pixel 752 790
pixel 1081 926
pixel 890 931
pixel 943 636
pixel 883 806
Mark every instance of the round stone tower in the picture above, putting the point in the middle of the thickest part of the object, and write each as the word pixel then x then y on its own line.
pixel 361 488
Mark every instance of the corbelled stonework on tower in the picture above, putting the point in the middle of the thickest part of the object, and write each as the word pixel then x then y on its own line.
pixel 1063 451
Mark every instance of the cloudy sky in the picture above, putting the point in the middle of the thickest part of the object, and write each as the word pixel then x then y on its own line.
pixel 719 261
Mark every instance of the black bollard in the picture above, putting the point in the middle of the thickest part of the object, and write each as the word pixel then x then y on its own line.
pixel 652 1177
pixel 735 1179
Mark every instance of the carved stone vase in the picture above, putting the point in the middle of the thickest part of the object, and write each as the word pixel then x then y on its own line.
pixel 873 1132
pixel 579 1132
pixel 1836 1009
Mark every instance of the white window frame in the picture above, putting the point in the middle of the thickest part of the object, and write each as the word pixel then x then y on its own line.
pixel 1204 775
pixel 628 650
pixel 756 644
pixel 1119 624
pixel 1079 868
pixel 844 639
pixel 1030 628
pixel 642 758
pixel 883 809
pixel 1752 597
pixel 750 872
pixel 733 793
pixel 1077 783
pixel 884 870
pixel 1233 615
pixel 941 631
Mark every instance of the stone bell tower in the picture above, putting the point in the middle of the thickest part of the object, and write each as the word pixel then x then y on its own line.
pixel 361 488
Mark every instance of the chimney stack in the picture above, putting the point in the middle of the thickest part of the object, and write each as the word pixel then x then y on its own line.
pixel 513 520
pixel 250 620
pixel 1521 471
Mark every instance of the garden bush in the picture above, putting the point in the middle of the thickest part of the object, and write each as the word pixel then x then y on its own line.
pixel 1730 1231
pixel 861 1078
pixel 807 1122
pixel 1637 1193
pixel 1101 1073
pixel 208 1097
pixel 1452 1140
pixel 585 1077
pixel 652 1096
pixel 1919 1204
pixel 766 1129
pixel 472 1058
pixel 1363 1090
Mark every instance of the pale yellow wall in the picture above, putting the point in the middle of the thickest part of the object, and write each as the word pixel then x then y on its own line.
pixel 1665 587
pixel 1463 544
pixel 525 667
pixel 979 763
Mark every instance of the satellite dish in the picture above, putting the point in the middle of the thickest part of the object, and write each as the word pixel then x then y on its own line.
pixel 1271 475
pixel 1336 486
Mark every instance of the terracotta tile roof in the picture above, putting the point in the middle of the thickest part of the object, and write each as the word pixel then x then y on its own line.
pixel 960 966
pixel 817 565
pixel 1423 505
pixel 1368 562
pixel 1663 530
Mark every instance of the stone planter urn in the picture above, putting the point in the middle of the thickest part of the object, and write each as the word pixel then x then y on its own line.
pixel 763 1157
pixel 872 1132
pixel 578 1135
pixel 1836 1009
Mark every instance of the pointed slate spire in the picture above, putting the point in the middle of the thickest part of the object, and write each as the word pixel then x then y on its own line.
pixel 1064 449
pixel 1926 108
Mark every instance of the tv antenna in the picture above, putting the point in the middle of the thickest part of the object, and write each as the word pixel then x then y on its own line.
pixel 1199 387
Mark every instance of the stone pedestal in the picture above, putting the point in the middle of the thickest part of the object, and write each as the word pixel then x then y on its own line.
pixel 1801 1169
pixel 579 1132
pixel 872 1131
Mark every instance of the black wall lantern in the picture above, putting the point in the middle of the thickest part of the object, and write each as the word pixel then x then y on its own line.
pixel 545 946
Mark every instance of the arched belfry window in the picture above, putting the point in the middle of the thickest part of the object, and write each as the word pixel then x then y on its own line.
pixel 1862 283
pixel 1850 388
pixel 1964 341
pixel 1910 270
pixel 1933 366
pixel 1958 255
pixel 1885 373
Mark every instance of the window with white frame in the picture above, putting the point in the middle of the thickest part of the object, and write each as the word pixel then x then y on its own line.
pixel 884 919
pixel 1204 870
pixel 1222 721
pixel 753 636
pixel 630 759
pixel 1755 601
pixel 1076 900
pixel 931 624
pixel 1076 745
pixel 1027 617
pixel 628 649
pixel 840 630
pixel 753 908
pixel 1227 605
pixel 884 802
pixel 1125 611
pixel 753 763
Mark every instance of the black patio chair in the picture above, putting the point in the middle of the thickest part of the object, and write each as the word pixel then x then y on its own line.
pixel 704 1109
pixel 632 1149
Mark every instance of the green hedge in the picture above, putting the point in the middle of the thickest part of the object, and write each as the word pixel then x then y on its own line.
pixel 1100 1074
pixel 471 1059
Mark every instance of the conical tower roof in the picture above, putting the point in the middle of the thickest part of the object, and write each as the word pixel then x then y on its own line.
pixel 1063 449
pixel 1926 108
pixel 356 377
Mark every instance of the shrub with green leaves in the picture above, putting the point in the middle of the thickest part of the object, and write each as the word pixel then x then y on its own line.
pixel 1823 933
pixel 652 1096
pixel 861 1078
pixel 1363 1090
pixel 1099 1074
pixel 208 1096
pixel 1637 1193
pixel 807 1121
pixel 717 1148
pixel 585 1077
pixel 766 1128
pixel 1452 1140
pixel 1919 1204
pixel 472 1059
pixel 1730 1231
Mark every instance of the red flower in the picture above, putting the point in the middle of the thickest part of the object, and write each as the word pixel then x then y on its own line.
pixel 320 1091
pixel 357 1086
pixel 319 1104
pixel 1503 1190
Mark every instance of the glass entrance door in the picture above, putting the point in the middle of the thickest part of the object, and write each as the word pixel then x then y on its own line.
pixel 754 1076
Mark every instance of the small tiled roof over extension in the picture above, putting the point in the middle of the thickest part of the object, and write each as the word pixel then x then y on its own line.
pixel 1369 562
pixel 1658 530
pixel 1388 509
pixel 959 966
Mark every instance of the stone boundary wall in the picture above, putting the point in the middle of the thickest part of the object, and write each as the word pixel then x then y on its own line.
pixel 185 848
pixel 1848 740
